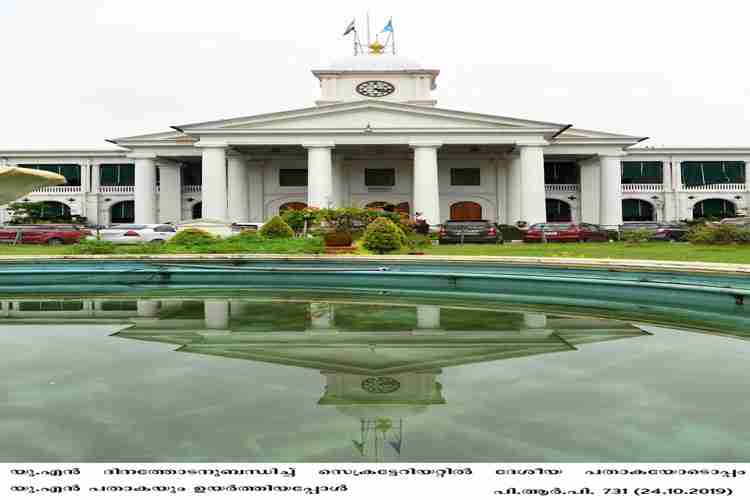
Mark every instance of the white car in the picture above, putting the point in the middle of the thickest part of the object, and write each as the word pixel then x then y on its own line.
pixel 130 234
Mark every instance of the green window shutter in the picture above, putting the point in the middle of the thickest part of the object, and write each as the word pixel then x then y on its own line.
pixel 631 171
pixel 466 177
pixel 127 175
pixel 289 177
pixel 692 173
pixel 734 171
pixel 108 175
pixel 629 209
pixel 561 173
pixel 72 173
pixel 651 172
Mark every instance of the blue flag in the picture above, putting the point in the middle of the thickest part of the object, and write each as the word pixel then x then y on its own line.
pixel 388 27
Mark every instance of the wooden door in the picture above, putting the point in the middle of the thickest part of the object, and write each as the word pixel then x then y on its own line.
pixel 466 210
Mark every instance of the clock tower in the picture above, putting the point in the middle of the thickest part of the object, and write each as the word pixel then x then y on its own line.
pixel 376 75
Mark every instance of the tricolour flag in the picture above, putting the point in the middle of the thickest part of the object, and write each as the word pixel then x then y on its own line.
pixel 349 28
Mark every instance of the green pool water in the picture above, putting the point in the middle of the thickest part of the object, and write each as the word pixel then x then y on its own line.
pixel 257 376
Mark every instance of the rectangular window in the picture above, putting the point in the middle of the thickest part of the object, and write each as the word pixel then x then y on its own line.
pixel 466 177
pixel 642 172
pixel 700 173
pixel 292 177
pixel 117 174
pixel 383 177
pixel 72 173
pixel 191 176
pixel 563 172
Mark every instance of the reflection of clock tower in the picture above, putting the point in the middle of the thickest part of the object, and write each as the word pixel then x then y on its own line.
pixel 376 75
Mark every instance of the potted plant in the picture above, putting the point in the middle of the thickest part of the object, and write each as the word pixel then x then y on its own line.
pixel 339 223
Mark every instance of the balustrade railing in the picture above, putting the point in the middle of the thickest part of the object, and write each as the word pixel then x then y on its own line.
pixel 649 187
pixel 565 188
pixel 721 187
pixel 58 189
pixel 116 189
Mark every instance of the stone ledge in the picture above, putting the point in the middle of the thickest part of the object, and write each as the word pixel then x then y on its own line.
pixel 554 262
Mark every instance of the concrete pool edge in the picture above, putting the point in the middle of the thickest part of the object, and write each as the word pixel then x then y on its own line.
pixel 551 262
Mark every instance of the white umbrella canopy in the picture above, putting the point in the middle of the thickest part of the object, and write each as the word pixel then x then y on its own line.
pixel 17 181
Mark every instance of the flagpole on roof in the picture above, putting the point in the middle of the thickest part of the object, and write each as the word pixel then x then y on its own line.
pixel 393 37
pixel 368 28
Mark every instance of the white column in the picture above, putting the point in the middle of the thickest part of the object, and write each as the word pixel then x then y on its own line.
pixel 513 205
pixel 589 192
pixel 611 189
pixel 214 190
pixel 170 193
pixel 426 186
pixel 256 194
pixel 319 175
pixel 338 182
pixel 501 191
pixel 238 189
pixel 533 208
pixel 145 190
pixel 216 314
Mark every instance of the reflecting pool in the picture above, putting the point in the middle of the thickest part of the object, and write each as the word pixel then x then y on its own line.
pixel 262 377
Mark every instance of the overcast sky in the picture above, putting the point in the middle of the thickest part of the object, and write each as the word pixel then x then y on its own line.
pixel 78 71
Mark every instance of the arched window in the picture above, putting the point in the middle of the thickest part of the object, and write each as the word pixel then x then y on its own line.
pixel 557 210
pixel 713 208
pixel 466 210
pixel 197 210
pixel 122 212
pixel 292 205
pixel 54 211
pixel 637 211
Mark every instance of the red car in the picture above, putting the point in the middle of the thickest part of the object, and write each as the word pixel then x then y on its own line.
pixel 43 234
pixel 566 231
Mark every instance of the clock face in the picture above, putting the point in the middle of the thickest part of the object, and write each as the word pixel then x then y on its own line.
pixel 375 88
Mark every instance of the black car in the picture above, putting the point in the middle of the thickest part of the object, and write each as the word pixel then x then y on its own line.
pixel 469 231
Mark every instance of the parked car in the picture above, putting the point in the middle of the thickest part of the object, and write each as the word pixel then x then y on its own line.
pixel 661 231
pixel 43 234
pixel 469 231
pixel 566 231
pixel 743 222
pixel 130 234
pixel 238 227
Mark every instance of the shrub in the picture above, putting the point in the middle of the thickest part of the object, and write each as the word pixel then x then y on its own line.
pixel 191 237
pixel 94 247
pixel 296 218
pixel 510 233
pixel 636 236
pixel 276 228
pixel 382 236
pixel 722 234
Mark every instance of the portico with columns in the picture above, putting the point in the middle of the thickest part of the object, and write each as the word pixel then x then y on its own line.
pixel 376 136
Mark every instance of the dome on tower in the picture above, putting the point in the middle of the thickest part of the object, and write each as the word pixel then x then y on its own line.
pixel 374 62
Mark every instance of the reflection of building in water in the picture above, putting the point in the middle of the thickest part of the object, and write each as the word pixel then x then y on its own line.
pixel 381 363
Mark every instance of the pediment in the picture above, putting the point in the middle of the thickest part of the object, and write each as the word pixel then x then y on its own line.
pixel 376 114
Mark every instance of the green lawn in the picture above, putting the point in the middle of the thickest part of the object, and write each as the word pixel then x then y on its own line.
pixel 736 254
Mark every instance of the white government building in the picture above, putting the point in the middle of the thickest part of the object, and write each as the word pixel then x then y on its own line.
pixel 375 136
